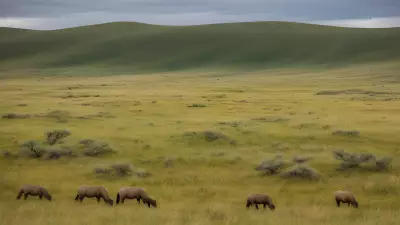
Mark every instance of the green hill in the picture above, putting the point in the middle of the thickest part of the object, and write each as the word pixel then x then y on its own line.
pixel 131 47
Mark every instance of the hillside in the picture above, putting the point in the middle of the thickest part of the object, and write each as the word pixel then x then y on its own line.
pixel 130 47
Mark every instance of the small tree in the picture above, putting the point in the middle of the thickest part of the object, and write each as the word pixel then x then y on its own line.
pixel 32 149
pixel 52 137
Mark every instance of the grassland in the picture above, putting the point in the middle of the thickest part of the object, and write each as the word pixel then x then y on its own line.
pixel 132 48
pixel 209 181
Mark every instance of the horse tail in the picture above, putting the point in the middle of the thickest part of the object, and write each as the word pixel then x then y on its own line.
pixel 118 198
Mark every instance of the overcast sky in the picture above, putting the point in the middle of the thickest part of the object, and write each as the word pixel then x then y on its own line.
pixel 56 14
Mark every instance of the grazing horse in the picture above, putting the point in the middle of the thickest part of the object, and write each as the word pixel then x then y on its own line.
pixel 93 192
pixel 255 199
pixel 345 197
pixel 135 193
pixel 33 190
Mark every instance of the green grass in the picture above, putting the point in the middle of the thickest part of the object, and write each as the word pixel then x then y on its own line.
pixel 126 48
pixel 202 188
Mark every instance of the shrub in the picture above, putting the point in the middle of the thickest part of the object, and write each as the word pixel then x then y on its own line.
pixel 60 116
pixel 196 106
pixel 55 136
pixel 231 123
pixel 351 160
pixel 15 116
pixel 350 133
pixel 6 154
pixel 56 153
pixel 122 169
pixel 86 142
pixel 301 159
pixel 94 148
pixel 168 163
pixel 209 136
pixel 271 119
pixel 213 136
pixel 142 173
pixel 103 171
pixel 383 163
pixel 301 171
pixel 32 149
pixel 271 166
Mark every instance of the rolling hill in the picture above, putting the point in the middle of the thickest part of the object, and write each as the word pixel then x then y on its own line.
pixel 132 47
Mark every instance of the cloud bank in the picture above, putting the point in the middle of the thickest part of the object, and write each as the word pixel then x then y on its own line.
pixel 57 14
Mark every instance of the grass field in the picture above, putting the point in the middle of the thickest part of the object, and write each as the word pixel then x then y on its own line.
pixel 132 48
pixel 144 118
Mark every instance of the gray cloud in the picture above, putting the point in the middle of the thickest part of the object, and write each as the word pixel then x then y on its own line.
pixel 81 12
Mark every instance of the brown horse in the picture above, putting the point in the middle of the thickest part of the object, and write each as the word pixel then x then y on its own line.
pixel 135 193
pixel 33 190
pixel 93 192
pixel 345 197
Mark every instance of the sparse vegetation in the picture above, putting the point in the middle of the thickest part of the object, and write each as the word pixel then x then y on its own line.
pixel 60 116
pixel 350 133
pixel 95 148
pixel 56 153
pixel 270 119
pixel 196 105
pixel 15 116
pixel 209 180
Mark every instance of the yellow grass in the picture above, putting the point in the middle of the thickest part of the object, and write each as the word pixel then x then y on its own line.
pixel 202 188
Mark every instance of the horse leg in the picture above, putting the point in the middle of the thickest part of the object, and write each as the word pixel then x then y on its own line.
pixel 81 198
pixel 25 196
pixel 348 204
pixel 98 199
pixel 77 197
pixel 40 196
pixel 256 206
pixel 338 203
pixel 265 206
pixel 122 200
pixel 21 192
pixel 148 204
pixel 138 200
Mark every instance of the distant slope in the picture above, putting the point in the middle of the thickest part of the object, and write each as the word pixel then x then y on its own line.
pixel 134 47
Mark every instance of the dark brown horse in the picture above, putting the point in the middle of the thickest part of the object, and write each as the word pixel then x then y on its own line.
pixel 256 199
pixel 135 193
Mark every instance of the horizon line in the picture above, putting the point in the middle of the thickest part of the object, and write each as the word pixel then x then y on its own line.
pixel 197 25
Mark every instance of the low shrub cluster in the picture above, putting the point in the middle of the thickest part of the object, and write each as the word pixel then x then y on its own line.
pixel 277 164
pixel 349 160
